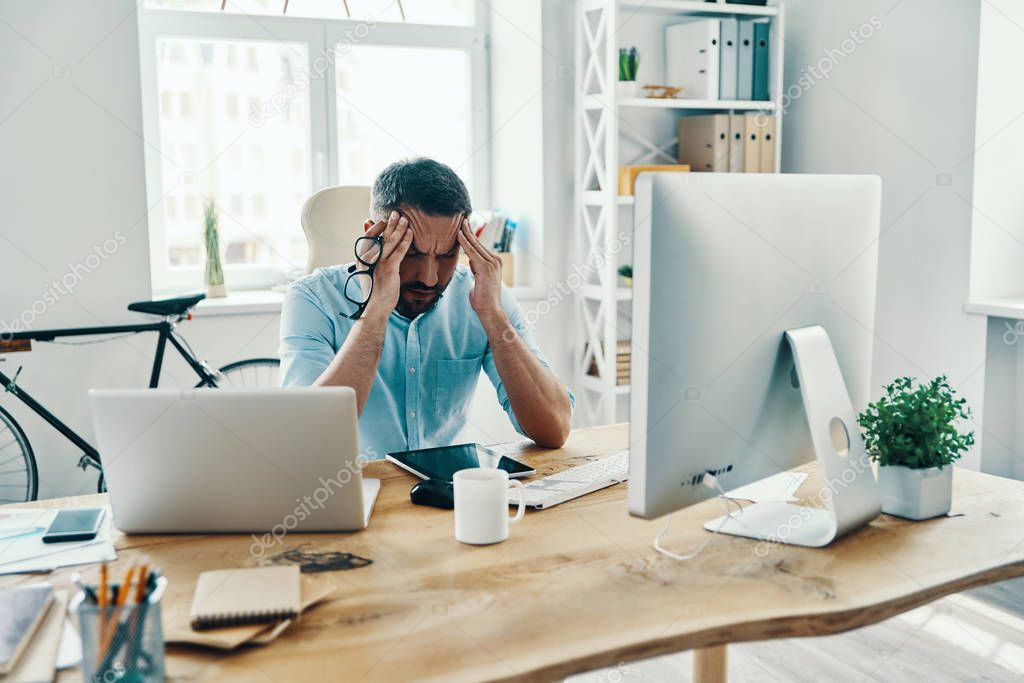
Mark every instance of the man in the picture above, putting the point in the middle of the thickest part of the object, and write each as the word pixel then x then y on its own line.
pixel 414 352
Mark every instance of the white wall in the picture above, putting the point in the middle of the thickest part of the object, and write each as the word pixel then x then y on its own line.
pixel 71 177
pixel 901 105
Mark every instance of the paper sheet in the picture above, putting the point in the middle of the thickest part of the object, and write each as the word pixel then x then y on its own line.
pixel 69 654
pixel 779 486
pixel 22 548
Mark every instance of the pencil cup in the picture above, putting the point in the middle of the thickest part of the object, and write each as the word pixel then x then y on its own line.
pixel 122 644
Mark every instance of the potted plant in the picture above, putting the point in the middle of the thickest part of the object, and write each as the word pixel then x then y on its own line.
pixel 215 287
pixel 626 273
pixel 911 432
pixel 629 64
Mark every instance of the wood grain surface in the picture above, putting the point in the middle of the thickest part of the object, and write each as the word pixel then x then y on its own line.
pixel 578 586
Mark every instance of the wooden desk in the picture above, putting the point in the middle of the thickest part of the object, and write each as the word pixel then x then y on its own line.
pixel 579 587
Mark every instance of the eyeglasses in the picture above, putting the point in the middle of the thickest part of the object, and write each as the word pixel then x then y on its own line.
pixel 359 285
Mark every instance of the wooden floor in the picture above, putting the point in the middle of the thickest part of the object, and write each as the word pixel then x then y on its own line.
pixel 977 635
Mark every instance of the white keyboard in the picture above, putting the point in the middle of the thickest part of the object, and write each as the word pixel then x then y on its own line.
pixel 575 482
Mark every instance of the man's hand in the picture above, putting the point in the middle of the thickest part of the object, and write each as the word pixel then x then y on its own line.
pixel 387 283
pixel 485 296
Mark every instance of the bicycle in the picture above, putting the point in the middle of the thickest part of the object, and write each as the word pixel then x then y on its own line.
pixel 19 475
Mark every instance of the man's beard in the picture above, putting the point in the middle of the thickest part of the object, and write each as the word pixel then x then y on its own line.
pixel 410 306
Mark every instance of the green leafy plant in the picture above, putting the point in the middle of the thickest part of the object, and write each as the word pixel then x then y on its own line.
pixel 915 426
pixel 626 270
pixel 214 271
pixel 629 63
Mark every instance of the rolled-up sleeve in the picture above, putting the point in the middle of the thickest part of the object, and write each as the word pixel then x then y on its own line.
pixel 518 321
pixel 308 343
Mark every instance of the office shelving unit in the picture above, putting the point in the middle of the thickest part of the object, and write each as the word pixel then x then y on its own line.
pixel 612 131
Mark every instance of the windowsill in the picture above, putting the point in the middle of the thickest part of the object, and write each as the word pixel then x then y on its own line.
pixel 261 302
pixel 242 303
pixel 1012 308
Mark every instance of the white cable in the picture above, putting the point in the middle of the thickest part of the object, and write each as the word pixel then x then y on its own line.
pixel 710 481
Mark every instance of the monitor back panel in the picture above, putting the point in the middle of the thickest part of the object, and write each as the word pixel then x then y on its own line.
pixel 723 265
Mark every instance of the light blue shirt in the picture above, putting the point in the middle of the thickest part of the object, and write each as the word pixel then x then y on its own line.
pixel 428 367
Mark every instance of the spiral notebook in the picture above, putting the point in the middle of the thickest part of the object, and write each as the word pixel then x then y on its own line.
pixel 230 597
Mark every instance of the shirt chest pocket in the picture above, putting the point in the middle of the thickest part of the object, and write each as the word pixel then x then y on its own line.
pixel 455 383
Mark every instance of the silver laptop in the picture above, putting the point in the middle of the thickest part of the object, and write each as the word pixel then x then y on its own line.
pixel 232 460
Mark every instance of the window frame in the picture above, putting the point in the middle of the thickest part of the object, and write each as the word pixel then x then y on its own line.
pixel 319 36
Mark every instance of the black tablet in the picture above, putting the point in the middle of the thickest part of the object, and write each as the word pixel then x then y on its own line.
pixel 444 461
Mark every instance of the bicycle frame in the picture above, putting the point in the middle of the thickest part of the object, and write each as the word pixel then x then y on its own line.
pixel 165 330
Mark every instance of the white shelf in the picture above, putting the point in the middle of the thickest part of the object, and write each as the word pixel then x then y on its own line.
pixel 597 198
pixel 595 384
pixel 698 9
pixel 1012 308
pixel 679 103
pixel 241 303
pixel 596 292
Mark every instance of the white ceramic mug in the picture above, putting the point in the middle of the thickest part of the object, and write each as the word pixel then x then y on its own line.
pixel 481 505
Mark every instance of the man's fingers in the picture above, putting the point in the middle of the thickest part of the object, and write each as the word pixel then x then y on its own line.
pixel 471 251
pixel 476 245
pixel 399 237
pixel 398 253
pixel 376 229
pixel 389 230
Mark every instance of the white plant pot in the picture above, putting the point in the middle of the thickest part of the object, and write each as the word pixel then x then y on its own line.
pixel 916 494
pixel 627 90
pixel 216 291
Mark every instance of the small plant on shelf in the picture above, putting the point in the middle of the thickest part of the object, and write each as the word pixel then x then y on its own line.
pixel 629 65
pixel 214 271
pixel 626 273
pixel 912 433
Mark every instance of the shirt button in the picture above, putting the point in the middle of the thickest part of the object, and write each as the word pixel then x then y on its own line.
pixel 412 370
pixel 412 413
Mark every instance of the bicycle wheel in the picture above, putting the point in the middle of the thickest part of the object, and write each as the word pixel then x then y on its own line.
pixel 252 373
pixel 19 478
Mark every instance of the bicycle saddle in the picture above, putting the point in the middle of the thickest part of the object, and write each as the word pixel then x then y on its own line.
pixel 174 306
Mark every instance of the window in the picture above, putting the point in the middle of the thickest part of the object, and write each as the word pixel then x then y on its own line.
pixel 253 112
pixel 444 12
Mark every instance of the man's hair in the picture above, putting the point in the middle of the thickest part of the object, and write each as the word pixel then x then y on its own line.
pixel 422 184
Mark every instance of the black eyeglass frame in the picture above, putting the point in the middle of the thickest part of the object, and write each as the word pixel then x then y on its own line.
pixel 353 271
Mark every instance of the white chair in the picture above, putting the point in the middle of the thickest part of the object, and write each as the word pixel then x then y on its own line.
pixel 332 220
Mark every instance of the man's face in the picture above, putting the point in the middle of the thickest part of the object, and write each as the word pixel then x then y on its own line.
pixel 429 264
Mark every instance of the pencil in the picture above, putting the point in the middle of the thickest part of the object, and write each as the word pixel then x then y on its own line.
pixel 140 589
pixel 109 629
pixel 102 601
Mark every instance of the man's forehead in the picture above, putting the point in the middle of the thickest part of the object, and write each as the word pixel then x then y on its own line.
pixel 432 234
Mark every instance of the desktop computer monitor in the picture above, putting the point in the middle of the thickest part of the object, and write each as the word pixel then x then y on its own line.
pixel 724 266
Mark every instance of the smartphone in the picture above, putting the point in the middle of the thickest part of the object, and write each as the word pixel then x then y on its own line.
pixel 81 524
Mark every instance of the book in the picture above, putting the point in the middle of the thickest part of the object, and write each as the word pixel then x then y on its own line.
pixel 704 142
pixel 692 58
pixel 727 63
pixel 762 52
pixel 752 144
pixel 38 663
pixel 745 62
pixel 767 149
pixel 231 597
pixel 737 127
pixel 23 610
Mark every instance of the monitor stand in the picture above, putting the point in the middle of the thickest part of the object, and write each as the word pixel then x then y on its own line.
pixel 849 498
